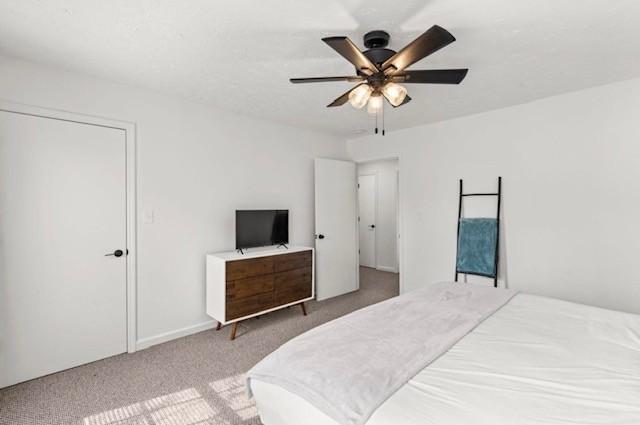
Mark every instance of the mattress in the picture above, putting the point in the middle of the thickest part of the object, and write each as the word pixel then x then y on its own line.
pixel 535 361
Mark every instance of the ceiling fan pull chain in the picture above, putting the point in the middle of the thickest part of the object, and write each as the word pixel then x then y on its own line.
pixel 382 118
pixel 376 130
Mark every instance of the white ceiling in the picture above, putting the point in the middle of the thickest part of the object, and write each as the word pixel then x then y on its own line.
pixel 238 55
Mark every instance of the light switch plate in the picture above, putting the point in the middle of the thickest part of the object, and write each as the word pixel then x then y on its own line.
pixel 147 217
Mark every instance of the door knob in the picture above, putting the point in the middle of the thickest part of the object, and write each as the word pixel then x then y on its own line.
pixel 372 226
pixel 320 236
pixel 116 253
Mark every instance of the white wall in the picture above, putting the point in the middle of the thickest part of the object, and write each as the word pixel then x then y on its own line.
pixel 386 173
pixel 196 165
pixel 571 170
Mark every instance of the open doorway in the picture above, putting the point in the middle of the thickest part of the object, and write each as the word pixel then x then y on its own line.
pixel 378 216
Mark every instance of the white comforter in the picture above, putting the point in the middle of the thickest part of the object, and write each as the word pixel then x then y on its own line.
pixel 535 361
pixel 348 367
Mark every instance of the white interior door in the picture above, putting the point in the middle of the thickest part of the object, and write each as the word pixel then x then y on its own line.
pixel 336 228
pixel 367 219
pixel 62 208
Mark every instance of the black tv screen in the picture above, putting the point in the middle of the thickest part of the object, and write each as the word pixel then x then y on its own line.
pixel 261 228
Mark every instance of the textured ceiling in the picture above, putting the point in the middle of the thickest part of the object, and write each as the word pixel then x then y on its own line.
pixel 238 55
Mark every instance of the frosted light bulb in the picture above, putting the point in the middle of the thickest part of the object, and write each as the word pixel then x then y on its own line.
pixel 358 97
pixel 394 93
pixel 375 104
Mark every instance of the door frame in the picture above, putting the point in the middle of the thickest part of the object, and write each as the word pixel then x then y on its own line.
pixel 399 211
pixel 375 215
pixel 129 129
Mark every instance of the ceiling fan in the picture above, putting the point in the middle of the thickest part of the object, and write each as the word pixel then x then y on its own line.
pixel 379 71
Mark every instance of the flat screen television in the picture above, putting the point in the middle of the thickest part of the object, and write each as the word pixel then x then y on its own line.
pixel 261 228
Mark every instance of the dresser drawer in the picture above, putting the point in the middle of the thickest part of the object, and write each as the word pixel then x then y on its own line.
pixel 296 260
pixel 249 305
pixel 241 269
pixel 243 288
pixel 292 285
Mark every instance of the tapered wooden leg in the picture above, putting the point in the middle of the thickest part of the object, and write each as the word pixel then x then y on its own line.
pixel 219 326
pixel 304 309
pixel 234 328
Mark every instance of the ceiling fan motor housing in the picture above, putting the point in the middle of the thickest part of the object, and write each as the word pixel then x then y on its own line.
pixel 376 42
pixel 376 39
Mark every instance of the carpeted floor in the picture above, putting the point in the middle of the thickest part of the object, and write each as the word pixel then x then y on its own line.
pixel 188 381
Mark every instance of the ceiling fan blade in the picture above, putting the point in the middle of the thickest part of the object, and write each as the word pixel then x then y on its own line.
pixel 352 79
pixel 406 100
pixel 434 39
pixel 342 99
pixel 431 76
pixel 350 52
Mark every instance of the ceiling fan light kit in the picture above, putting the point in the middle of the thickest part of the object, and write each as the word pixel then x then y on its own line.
pixel 394 93
pixel 359 96
pixel 380 70
pixel 375 104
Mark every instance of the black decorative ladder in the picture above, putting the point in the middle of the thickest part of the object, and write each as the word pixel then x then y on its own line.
pixel 498 195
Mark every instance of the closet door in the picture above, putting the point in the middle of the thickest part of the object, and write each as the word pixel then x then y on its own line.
pixel 62 230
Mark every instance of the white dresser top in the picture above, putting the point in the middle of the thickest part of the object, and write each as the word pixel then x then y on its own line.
pixel 257 252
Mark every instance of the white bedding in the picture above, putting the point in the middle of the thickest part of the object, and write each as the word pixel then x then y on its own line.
pixel 535 361
pixel 349 366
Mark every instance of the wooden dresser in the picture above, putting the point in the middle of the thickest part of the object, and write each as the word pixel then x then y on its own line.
pixel 240 286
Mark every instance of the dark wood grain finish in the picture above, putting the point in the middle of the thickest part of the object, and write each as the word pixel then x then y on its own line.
pixel 292 285
pixel 243 288
pixel 257 284
pixel 241 269
pixel 234 329
pixel 296 260
pixel 250 305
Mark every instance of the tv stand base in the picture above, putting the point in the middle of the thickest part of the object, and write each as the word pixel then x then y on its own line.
pixel 234 325
pixel 257 282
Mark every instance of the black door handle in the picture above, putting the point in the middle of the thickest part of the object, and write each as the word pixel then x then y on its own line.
pixel 372 226
pixel 116 253
pixel 320 236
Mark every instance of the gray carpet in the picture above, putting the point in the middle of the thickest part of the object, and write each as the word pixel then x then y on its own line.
pixel 188 381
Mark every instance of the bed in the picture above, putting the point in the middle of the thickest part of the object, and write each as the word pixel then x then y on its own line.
pixel 531 360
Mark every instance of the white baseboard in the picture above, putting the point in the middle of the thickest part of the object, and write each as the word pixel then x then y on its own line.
pixel 168 336
pixel 386 269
